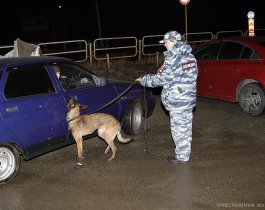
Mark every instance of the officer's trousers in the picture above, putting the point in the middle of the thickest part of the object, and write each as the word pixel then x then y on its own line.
pixel 181 131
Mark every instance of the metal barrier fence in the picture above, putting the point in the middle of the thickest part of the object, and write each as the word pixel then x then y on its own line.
pixel 75 49
pixel 122 47
pixel 150 44
pixel 221 34
pixel 118 47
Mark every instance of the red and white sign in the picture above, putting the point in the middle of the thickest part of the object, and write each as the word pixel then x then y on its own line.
pixel 184 2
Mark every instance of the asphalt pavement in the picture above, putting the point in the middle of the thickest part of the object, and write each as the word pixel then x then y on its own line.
pixel 226 169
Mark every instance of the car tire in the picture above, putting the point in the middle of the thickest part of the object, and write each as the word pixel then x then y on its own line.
pixel 252 99
pixel 133 119
pixel 10 162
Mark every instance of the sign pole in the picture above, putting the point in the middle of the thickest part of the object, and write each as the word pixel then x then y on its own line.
pixel 185 2
pixel 186 22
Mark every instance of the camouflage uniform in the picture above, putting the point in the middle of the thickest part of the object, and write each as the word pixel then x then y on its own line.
pixel 178 78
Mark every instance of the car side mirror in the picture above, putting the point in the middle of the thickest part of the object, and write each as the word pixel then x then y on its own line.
pixel 100 81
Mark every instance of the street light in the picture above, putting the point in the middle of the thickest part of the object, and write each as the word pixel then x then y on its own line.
pixel 63 21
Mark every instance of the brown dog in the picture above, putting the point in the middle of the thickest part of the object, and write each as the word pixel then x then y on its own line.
pixel 106 125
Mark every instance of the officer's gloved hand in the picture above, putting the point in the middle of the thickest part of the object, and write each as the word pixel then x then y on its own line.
pixel 138 79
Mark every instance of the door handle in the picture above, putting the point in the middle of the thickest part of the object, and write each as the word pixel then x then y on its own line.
pixel 11 109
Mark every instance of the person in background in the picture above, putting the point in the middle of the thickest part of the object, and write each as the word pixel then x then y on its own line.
pixel 178 76
pixel 57 71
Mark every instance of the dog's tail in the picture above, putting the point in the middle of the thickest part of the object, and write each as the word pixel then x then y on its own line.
pixel 123 139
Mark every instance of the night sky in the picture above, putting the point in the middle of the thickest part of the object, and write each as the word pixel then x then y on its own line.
pixel 43 21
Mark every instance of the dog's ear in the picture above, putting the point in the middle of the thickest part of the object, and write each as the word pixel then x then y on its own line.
pixel 83 107
pixel 69 99
pixel 70 103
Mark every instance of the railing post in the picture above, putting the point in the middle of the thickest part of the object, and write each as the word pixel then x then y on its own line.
pixel 108 61
pixel 157 58
pixel 90 53
pixel 139 50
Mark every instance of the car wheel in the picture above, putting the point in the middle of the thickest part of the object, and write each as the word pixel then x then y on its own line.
pixel 133 118
pixel 9 163
pixel 252 99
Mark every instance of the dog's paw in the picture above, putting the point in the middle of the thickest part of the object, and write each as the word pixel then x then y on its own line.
pixel 110 159
pixel 78 165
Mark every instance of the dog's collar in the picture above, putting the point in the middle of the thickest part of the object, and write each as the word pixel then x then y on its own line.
pixel 71 120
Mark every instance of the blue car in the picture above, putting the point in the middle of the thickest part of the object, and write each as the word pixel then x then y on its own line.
pixel 33 104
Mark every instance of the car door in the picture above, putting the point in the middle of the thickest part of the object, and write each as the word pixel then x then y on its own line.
pixel 206 58
pixel 88 89
pixel 222 77
pixel 34 110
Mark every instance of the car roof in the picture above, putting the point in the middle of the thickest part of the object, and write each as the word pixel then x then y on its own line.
pixel 31 59
pixel 244 38
pixel 250 41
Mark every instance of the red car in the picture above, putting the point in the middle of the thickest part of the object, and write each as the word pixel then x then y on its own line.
pixel 233 69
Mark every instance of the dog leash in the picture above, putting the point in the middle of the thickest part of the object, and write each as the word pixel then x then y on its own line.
pixel 115 99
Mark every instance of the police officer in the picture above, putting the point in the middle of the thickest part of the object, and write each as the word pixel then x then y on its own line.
pixel 178 76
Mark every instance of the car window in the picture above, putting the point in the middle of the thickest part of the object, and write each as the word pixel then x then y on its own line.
pixel 73 76
pixel 208 52
pixel 255 56
pixel 28 80
pixel 247 52
pixel 231 50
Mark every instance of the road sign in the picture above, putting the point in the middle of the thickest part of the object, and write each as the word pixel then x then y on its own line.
pixel 184 2
pixel 251 31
